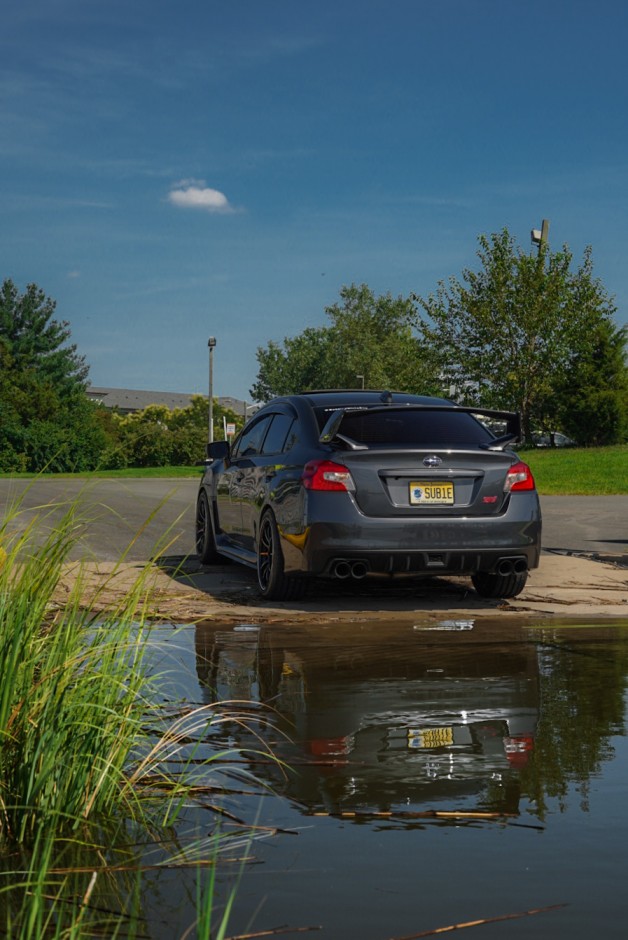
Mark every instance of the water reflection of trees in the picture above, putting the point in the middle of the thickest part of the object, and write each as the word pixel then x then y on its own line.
pixel 572 682
pixel 582 685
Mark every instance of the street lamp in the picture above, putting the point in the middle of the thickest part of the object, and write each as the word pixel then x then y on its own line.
pixel 539 236
pixel 211 342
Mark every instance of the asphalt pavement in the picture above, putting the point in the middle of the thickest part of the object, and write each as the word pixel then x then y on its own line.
pixel 142 518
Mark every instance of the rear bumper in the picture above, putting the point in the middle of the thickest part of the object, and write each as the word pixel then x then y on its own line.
pixel 426 546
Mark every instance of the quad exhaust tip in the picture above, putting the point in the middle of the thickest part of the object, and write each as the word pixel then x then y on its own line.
pixel 345 568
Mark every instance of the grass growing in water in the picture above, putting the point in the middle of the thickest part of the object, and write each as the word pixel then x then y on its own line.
pixel 72 699
pixel 84 778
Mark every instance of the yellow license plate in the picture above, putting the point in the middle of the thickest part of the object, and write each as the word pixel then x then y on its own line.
pixel 431 493
pixel 431 737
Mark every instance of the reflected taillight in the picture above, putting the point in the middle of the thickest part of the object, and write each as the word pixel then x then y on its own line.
pixel 326 475
pixel 519 477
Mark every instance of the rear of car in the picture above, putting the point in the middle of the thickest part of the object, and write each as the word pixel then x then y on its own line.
pixel 374 484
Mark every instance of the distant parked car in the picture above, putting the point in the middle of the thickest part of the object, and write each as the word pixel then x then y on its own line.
pixel 355 484
pixel 552 439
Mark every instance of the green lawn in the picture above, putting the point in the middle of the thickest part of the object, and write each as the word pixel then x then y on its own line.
pixel 593 471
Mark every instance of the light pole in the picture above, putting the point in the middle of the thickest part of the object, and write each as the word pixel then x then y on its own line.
pixel 211 342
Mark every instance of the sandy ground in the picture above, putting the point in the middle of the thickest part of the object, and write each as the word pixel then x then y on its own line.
pixel 181 591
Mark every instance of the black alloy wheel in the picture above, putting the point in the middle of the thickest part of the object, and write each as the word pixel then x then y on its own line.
pixel 205 541
pixel 274 584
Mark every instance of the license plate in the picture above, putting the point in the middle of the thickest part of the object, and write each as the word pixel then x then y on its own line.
pixel 431 737
pixel 431 493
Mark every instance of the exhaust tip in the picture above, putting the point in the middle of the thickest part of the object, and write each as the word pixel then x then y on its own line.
pixel 342 570
pixel 512 566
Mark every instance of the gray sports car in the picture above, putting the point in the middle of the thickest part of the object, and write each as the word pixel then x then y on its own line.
pixel 355 484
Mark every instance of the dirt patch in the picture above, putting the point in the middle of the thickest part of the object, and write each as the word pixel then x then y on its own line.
pixel 181 591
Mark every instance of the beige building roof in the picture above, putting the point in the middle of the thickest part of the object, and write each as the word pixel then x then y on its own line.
pixel 127 400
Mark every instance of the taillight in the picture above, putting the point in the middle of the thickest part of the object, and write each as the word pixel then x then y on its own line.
pixel 326 475
pixel 519 477
pixel 518 748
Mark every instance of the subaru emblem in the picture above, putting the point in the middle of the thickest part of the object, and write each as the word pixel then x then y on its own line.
pixel 432 461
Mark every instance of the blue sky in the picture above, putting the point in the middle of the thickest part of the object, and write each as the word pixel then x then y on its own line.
pixel 175 170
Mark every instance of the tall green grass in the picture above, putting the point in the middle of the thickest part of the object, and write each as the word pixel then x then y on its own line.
pixel 87 754
pixel 73 693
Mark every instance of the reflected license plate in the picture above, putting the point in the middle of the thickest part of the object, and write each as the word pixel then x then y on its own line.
pixel 431 737
pixel 431 493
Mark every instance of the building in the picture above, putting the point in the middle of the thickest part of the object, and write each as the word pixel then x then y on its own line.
pixel 128 400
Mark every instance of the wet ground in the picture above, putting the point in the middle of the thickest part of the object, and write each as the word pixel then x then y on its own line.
pixel 437 773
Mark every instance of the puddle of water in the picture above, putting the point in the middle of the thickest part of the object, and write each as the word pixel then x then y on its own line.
pixel 437 774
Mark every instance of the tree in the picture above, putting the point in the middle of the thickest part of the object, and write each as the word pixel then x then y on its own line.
pixel 370 340
pixel 42 427
pixel 35 340
pixel 301 363
pixel 592 398
pixel 158 436
pixel 508 335
pixel 46 420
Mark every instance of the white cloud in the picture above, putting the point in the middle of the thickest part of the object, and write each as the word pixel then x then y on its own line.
pixel 194 194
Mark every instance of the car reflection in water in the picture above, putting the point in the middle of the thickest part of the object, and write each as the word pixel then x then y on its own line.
pixel 383 718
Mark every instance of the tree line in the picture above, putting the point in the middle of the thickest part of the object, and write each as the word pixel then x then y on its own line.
pixel 529 332
pixel 534 333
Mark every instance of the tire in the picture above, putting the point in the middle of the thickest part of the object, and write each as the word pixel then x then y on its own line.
pixel 273 584
pixel 205 541
pixel 499 585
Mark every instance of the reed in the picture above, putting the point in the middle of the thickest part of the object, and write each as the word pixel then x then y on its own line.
pixel 73 692
pixel 84 749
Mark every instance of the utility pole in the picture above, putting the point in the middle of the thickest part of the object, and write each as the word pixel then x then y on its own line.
pixel 540 236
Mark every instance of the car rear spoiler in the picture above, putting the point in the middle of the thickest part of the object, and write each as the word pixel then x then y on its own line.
pixel 512 419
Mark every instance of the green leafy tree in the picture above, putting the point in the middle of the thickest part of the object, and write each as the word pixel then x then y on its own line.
pixel 592 398
pixel 370 339
pixel 508 334
pixel 301 362
pixel 158 436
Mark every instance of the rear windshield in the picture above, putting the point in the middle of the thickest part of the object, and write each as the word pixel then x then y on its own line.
pixel 411 428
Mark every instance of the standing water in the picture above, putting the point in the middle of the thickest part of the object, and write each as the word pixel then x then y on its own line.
pixel 433 775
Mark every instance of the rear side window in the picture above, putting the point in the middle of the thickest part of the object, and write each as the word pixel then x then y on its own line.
pixel 413 428
pixel 277 437
pixel 251 439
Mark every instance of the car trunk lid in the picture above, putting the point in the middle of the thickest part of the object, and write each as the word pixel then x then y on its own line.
pixel 428 481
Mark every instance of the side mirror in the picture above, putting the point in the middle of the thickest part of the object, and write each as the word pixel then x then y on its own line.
pixel 217 450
